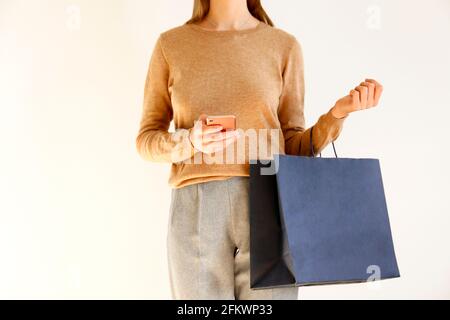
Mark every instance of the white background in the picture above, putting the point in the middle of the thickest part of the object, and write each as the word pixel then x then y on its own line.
pixel 82 216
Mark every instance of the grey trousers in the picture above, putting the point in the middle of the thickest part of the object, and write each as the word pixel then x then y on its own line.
pixel 208 243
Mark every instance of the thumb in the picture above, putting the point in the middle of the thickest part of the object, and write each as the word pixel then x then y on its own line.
pixel 202 118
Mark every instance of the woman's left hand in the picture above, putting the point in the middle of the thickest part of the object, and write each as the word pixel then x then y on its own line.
pixel 364 96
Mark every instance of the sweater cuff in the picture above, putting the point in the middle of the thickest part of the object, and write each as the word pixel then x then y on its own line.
pixel 333 121
pixel 330 126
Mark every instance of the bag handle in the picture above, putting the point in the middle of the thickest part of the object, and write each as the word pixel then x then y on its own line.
pixel 312 146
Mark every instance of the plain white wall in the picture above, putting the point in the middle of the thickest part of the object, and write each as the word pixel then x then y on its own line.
pixel 82 216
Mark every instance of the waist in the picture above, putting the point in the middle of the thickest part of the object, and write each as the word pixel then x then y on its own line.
pixel 182 174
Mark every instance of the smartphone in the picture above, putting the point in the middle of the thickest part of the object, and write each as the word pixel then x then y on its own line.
pixel 227 122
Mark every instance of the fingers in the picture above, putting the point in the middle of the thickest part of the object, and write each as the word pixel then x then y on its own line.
pixel 355 100
pixel 363 95
pixel 370 93
pixel 200 129
pixel 217 146
pixel 210 139
pixel 207 130
pixel 213 137
pixel 378 90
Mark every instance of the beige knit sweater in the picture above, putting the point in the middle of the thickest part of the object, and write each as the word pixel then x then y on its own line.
pixel 255 74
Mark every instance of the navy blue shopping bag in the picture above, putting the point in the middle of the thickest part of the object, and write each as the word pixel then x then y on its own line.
pixel 318 221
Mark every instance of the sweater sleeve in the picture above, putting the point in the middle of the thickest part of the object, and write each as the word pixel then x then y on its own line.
pixel 291 111
pixel 154 142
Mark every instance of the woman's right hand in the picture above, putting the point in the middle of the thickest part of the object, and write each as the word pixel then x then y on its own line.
pixel 209 139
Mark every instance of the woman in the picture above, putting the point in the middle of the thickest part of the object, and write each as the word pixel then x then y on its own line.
pixel 228 59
